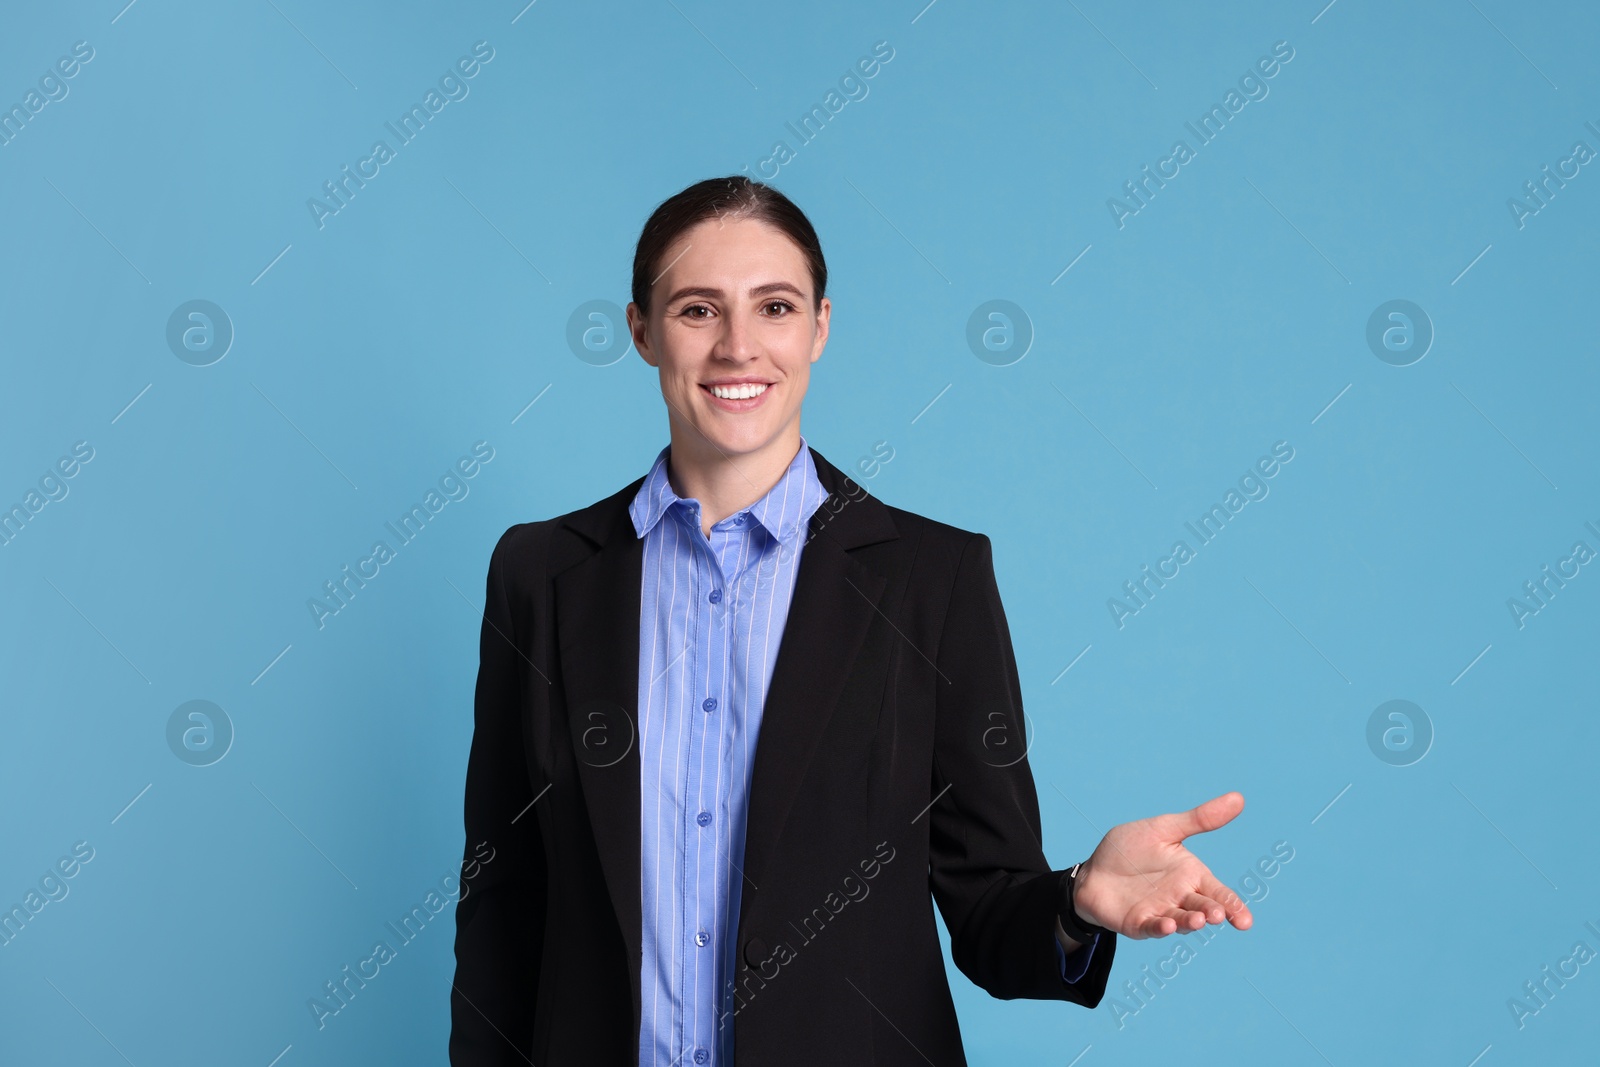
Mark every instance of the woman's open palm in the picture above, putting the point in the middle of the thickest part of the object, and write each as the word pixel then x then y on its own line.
pixel 1142 882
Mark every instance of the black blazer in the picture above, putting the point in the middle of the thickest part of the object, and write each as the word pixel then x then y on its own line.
pixel 890 763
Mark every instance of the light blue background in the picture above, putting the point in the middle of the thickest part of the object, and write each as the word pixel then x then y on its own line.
pixel 427 314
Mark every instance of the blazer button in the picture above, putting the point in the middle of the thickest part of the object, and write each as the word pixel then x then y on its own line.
pixel 755 952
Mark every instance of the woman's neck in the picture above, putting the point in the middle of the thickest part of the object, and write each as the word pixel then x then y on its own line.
pixel 726 483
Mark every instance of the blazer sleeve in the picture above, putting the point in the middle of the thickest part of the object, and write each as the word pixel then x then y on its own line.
pixel 987 869
pixel 500 915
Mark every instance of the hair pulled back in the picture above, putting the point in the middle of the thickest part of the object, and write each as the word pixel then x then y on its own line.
pixel 734 197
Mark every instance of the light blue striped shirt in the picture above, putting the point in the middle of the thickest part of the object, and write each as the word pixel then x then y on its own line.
pixel 711 616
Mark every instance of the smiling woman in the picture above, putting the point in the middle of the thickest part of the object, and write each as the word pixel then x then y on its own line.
pixel 701 696
pixel 728 305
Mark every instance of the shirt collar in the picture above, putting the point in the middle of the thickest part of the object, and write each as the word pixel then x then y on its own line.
pixel 782 512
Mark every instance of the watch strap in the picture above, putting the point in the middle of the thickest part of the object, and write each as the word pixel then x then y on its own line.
pixel 1075 927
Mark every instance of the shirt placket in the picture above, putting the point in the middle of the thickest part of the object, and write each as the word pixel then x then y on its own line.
pixel 704 810
pixel 740 553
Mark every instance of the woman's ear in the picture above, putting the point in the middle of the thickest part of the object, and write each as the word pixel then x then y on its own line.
pixel 637 324
pixel 824 312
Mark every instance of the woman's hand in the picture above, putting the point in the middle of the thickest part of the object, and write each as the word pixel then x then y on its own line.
pixel 1141 882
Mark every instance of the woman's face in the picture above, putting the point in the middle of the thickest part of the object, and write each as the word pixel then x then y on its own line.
pixel 732 310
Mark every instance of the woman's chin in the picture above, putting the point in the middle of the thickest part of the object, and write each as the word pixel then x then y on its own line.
pixel 741 440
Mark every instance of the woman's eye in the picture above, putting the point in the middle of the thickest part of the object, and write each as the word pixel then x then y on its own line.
pixel 688 312
pixel 780 304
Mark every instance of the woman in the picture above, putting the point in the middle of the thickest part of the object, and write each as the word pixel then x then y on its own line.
pixel 740 725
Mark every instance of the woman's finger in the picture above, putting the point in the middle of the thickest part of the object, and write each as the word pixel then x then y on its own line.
pixel 1208 907
pixel 1238 912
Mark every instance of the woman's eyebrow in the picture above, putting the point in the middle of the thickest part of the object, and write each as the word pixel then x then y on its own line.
pixel 759 290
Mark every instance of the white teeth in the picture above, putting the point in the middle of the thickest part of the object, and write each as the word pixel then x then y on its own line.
pixel 738 392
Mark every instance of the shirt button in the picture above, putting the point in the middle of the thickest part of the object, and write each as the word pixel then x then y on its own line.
pixel 710 704
pixel 716 596
pixel 702 1056
pixel 701 938
pixel 704 818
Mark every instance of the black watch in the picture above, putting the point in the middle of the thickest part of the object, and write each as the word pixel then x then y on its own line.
pixel 1075 927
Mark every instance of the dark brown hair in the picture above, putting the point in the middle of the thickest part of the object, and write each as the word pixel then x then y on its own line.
pixel 733 197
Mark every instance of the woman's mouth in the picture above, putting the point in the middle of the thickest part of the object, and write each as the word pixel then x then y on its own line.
pixel 746 396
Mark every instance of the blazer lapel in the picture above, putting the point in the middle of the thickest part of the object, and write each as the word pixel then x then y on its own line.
pixel 835 599
pixel 597 621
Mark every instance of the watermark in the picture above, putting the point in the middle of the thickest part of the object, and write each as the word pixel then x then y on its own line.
pixel 998 743
pixel 1540 191
pixel 869 466
pixel 52 487
pixel 53 88
pixel 1540 993
pixel 1253 886
pixel 999 332
pixel 1253 882
pixel 597 333
pixel 1252 486
pixel 852 86
pixel 199 733
pixel 836 502
pixel 1399 733
pixel 872 464
pixel 1252 85
pixel 452 486
pixel 54 885
pixel 833 506
pixel 1399 332
pixel 339 192
pixel 756 975
pixel 338 992
pixel 1541 591
pixel 608 733
pixel 199 333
